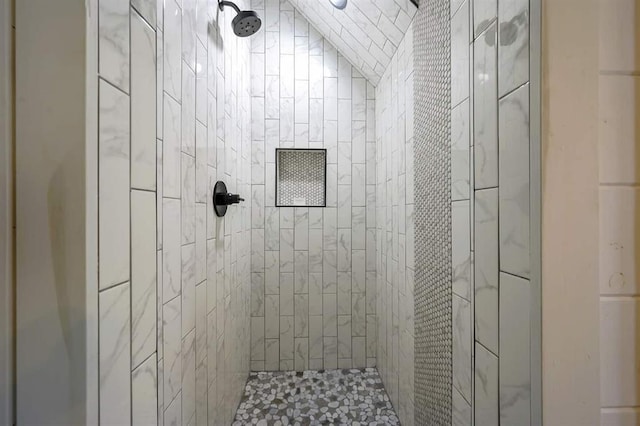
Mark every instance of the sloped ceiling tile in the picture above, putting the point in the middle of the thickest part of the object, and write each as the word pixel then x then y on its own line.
pixel 366 32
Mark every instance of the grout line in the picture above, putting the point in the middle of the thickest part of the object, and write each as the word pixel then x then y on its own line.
pixel 510 92
pixel 102 78
pixel 513 275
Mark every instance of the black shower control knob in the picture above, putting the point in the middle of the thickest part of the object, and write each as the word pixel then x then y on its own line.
pixel 233 199
pixel 222 198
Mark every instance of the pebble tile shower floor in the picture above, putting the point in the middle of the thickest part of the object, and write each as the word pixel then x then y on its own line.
pixel 343 397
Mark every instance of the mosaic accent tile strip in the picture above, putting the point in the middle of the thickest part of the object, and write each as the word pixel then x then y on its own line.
pixel 433 334
pixel 349 397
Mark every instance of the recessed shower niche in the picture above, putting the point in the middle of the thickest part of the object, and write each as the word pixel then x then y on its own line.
pixel 301 177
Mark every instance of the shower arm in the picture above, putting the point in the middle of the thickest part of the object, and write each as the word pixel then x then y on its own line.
pixel 223 3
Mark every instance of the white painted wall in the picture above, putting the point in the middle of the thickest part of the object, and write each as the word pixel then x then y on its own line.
pixel 50 211
pixel 6 214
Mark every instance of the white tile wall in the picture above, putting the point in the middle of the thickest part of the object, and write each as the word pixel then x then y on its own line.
pixel 174 314
pixel 390 342
pixel 367 32
pixel 305 260
pixel 490 136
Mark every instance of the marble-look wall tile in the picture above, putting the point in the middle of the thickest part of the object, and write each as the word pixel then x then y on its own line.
pixel 513 53
pixel 143 276
pixel 143 103
pixel 462 348
pixel 171 260
pixel 514 183
pixel 189 33
pixel 114 356
pixel 460 127
pixel 486 404
pixel 257 338
pixel 188 378
pixel 460 410
pixel 304 84
pixel 188 294
pixel 113 180
pixel 171 148
pixel 485 107
pixel 147 9
pixel 286 338
pixel 301 354
pixel 173 49
pixel 113 42
pixel 202 173
pixel 460 252
pixel 188 200
pixel 486 268
pixel 484 13
pixel 188 110
pixel 144 393
pixel 172 348
pixel 515 351
pixel 460 55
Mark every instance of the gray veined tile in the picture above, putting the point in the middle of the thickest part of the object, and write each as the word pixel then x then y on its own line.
pixel 188 201
pixel 113 42
pixel 147 9
pixel 460 55
pixel 173 412
pixel 486 267
pixel 485 105
pixel 515 380
pixel 201 322
pixel 201 81
pixel 202 178
pixel 171 177
pixel 460 410
pixel 257 339
pixel 172 49
pixel 513 37
pixel 460 128
pixel 301 275
pixel 461 249
pixel 486 403
pixel 143 103
pixel 144 393
pixel 188 294
pixel 514 183
pixel 189 32
pixel 171 263
pixel 114 356
pixel 286 338
pixel 462 346
pixel 484 13
pixel 188 378
pixel 113 249
pixel 188 110
pixel 143 276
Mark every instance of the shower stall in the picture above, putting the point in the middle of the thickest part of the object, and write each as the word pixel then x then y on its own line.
pixel 386 161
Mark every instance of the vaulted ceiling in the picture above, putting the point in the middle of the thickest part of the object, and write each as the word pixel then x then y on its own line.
pixel 366 32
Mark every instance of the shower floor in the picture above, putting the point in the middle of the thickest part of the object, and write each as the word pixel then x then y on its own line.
pixel 345 397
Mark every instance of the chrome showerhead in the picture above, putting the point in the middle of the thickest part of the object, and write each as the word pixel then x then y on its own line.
pixel 246 23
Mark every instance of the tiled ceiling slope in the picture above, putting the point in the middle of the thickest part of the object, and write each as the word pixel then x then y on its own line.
pixel 367 32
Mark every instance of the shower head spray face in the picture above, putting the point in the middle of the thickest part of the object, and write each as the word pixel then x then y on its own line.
pixel 246 23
